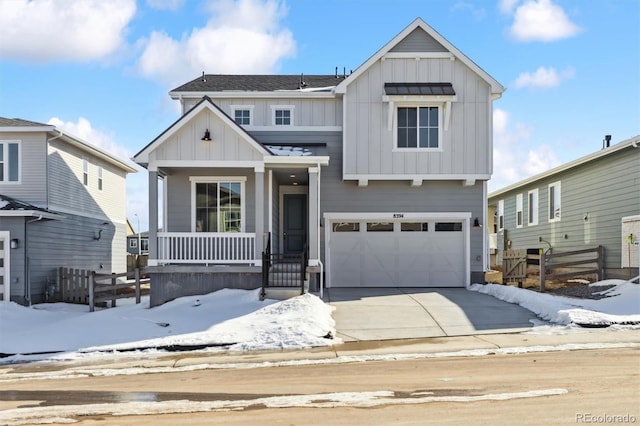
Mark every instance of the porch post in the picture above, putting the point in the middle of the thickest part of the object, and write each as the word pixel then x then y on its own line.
pixel 259 212
pixel 153 218
pixel 314 221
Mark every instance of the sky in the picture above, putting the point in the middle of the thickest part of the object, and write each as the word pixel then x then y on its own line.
pixel 102 70
pixel 240 320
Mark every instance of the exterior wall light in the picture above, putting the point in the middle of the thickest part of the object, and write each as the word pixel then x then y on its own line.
pixel 14 243
pixel 207 136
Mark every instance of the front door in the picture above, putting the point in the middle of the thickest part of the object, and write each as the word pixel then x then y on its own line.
pixel 294 233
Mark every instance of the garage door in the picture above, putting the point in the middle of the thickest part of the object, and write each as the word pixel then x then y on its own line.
pixel 373 253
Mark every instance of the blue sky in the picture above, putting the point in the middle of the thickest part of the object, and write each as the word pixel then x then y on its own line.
pixel 102 70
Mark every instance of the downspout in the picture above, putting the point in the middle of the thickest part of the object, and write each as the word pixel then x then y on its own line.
pixel 27 277
pixel 320 281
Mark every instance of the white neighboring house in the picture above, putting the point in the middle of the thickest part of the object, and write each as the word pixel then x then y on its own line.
pixel 62 204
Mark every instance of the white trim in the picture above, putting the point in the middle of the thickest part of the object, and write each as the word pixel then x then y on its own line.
pixel 533 221
pixel 219 179
pixel 520 209
pixel 206 163
pixel 418 55
pixel 486 261
pixel 501 215
pixel 6 293
pixel 29 213
pixel 299 160
pixel 417 105
pixel 6 162
pixel 411 177
pixel 293 128
pixel 290 108
pixel 557 187
pixel 270 201
pixel 235 108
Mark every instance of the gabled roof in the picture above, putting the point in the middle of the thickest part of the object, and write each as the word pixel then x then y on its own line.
pixel 13 207
pixel 496 88
pixel 20 125
pixel 633 142
pixel 259 83
pixel 142 157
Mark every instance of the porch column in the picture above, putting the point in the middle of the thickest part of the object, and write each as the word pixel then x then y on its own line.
pixel 259 212
pixel 153 218
pixel 314 220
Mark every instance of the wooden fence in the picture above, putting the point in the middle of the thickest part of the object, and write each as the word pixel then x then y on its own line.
pixel 547 268
pixel 88 287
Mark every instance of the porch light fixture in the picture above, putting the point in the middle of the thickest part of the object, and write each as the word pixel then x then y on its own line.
pixel 207 136
pixel 476 223
pixel 14 243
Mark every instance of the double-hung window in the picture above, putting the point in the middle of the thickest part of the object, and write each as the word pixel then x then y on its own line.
pixel 9 161
pixel 500 215
pixel 218 204
pixel 519 212
pixel 85 172
pixel 100 177
pixel 418 127
pixel 554 202
pixel 533 207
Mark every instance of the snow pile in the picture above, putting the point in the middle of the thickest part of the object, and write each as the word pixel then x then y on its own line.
pixel 621 306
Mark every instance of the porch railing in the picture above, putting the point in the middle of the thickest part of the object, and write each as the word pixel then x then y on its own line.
pixel 206 247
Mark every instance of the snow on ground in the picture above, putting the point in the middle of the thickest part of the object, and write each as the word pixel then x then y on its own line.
pixel 238 320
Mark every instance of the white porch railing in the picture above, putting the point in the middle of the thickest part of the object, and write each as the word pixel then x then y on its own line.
pixel 206 247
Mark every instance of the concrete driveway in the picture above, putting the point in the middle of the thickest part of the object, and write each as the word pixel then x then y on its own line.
pixel 364 314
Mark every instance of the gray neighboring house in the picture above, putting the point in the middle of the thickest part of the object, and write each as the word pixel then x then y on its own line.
pixel 380 173
pixel 591 201
pixel 62 204
pixel 138 244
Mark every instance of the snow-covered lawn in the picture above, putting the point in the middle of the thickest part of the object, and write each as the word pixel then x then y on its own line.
pixel 238 320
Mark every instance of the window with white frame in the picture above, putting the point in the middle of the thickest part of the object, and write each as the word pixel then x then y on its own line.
pixel 9 161
pixel 243 114
pixel 133 243
pixel 85 172
pixel 218 204
pixel 500 215
pixel 533 207
pixel 554 202
pixel 519 212
pixel 282 115
pixel 144 245
pixel 418 127
pixel 100 178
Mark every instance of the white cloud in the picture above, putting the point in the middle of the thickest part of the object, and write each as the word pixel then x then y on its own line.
pixel 477 12
pixel 541 20
pixel 43 31
pixel 507 6
pixel 165 4
pixel 543 78
pixel 540 160
pixel 240 37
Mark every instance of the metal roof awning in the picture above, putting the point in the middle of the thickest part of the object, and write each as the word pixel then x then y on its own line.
pixel 419 89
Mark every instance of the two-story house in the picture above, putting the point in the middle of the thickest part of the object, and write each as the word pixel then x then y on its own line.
pixel 379 176
pixel 62 204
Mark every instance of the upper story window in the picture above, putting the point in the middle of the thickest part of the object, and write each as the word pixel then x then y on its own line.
pixel 100 178
pixel 554 202
pixel 283 115
pixel 85 172
pixel 418 127
pixel 519 212
pixel 500 215
pixel 243 114
pixel 218 204
pixel 9 161
pixel 533 207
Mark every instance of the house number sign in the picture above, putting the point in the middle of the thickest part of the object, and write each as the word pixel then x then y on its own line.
pixel 398 215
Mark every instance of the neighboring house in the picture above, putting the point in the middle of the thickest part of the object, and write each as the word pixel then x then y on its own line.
pixel 62 204
pixel 138 244
pixel 591 201
pixel 380 175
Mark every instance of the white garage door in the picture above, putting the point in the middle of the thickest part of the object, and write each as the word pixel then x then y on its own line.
pixel 397 254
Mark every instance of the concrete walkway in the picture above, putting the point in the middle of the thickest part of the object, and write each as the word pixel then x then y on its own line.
pixel 366 314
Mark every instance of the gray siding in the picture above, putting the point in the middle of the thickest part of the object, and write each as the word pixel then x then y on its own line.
pixel 605 190
pixel 15 226
pixel 466 145
pixel 418 41
pixel 33 169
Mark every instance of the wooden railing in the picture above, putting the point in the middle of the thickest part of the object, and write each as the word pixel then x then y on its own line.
pixel 206 247
pixel 104 287
pixel 568 269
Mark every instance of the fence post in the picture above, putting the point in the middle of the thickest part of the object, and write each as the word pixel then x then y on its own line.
pixel 92 294
pixel 543 270
pixel 600 263
pixel 137 277
pixel 115 291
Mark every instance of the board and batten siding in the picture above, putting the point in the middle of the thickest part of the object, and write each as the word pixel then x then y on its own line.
pixel 67 192
pixel 604 190
pixel 186 144
pixel 33 168
pixel 466 145
pixel 418 41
